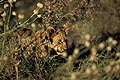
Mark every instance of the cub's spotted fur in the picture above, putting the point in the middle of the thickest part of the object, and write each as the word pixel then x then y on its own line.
pixel 39 43
pixel 50 39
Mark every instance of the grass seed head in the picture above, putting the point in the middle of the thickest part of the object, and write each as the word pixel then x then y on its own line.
pixel 36 12
pixel 118 54
pixel 110 39
pixel 87 36
pixel 73 76
pixel 114 42
pixel 94 67
pixel 21 16
pixel 107 68
pixel 1 23
pixel 14 13
pixel 3 14
pixel 40 5
pixel 10 1
pixel 109 48
pixel 87 44
pixel 6 6
pixel 101 45
pixel 88 71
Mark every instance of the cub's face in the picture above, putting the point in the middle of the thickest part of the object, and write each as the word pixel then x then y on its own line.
pixel 59 43
pixel 51 38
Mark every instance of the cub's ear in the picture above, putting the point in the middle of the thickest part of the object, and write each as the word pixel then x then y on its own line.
pixel 65 29
pixel 50 30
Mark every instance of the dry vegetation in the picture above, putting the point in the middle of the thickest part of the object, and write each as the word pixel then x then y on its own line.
pixel 93 39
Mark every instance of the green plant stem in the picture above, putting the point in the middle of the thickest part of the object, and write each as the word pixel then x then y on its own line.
pixel 32 21
pixel 6 26
pixel 10 10
pixel 25 21
pixel 3 46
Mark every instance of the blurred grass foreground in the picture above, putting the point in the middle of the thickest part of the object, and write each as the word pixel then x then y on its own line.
pixel 93 39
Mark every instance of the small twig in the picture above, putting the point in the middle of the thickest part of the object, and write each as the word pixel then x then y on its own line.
pixel 16 68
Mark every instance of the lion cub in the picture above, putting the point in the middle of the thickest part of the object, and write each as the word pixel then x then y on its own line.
pixel 50 39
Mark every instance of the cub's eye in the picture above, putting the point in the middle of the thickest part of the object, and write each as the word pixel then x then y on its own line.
pixel 59 41
pixel 46 37
pixel 51 40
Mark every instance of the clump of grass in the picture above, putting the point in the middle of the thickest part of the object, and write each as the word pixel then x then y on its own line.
pixel 101 63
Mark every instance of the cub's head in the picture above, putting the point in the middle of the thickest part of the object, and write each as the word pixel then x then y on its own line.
pixel 59 40
pixel 51 38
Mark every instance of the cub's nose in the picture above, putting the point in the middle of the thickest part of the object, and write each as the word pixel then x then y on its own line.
pixel 65 46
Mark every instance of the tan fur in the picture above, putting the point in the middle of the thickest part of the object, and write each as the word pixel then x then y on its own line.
pixel 43 40
pixel 53 39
